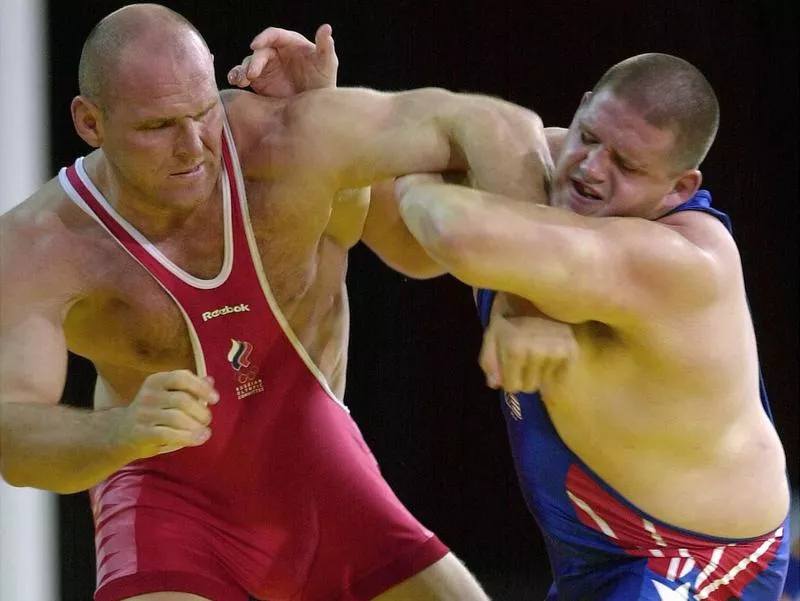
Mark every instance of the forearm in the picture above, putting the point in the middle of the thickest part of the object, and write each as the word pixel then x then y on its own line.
pixel 379 136
pixel 490 241
pixel 387 235
pixel 450 223
pixel 58 448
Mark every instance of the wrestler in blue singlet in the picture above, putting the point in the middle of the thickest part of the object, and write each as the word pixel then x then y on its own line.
pixel 600 546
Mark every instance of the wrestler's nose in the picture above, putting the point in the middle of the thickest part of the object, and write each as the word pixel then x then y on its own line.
pixel 190 141
pixel 593 166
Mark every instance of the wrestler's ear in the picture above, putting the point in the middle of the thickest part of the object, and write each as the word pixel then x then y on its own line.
pixel 685 185
pixel 86 116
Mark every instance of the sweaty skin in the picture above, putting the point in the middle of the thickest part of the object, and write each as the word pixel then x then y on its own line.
pixel 662 399
pixel 156 128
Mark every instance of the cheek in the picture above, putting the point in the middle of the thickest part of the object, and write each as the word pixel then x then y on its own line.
pixel 149 146
pixel 212 140
pixel 212 131
pixel 629 195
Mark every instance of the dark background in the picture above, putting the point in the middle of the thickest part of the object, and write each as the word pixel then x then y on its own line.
pixel 414 385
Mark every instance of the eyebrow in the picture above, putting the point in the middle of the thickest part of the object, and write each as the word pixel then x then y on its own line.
pixel 155 120
pixel 619 157
pixel 628 163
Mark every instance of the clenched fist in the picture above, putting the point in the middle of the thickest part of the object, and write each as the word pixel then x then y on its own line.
pixel 169 412
pixel 519 354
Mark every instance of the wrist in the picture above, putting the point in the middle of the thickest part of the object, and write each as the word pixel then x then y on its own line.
pixel 118 445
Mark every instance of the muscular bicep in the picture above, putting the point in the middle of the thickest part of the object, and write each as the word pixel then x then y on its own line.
pixel 33 349
pixel 357 137
pixel 33 357
pixel 360 137
pixel 386 234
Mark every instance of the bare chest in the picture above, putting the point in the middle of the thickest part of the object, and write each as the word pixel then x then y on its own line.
pixel 126 319
pixel 677 383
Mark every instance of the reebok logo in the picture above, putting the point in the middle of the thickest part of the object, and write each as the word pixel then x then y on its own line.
pixel 226 310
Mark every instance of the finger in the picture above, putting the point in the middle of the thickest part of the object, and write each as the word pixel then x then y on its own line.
pixel 323 34
pixel 186 381
pixel 167 439
pixel 404 183
pixel 258 60
pixel 324 41
pixel 177 420
pixel 188 405
pixel 553 369
pixel 512 364
pixel 488 359
pixel 560 359
pixel 243 71
pixel 236 76
pixel 530 378
pixel 276 37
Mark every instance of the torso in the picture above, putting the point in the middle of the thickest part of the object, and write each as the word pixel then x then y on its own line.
pixel 123 321
pixel 670 417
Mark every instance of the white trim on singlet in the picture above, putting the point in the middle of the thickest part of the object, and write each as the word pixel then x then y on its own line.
pixel 199 357
pixel 152 249
pixel 265 288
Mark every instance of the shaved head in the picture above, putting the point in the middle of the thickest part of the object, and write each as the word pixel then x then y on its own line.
pixel 125 31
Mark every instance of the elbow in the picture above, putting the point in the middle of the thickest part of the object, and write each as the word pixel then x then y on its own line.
pixel 12 477
pixel 451 243
pixel 22 478
pixel 18 478
pixel 441 228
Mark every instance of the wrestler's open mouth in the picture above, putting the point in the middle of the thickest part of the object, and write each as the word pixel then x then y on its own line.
pixel 585 191
pixel 192 171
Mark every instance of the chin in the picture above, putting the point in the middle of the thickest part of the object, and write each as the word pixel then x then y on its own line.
pixel 187 198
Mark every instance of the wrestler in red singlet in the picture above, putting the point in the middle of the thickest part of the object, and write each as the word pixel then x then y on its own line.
pixel 285 501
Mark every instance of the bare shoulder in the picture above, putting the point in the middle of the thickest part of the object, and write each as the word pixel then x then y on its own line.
pixel 45 246
pixel 288 137
pixel 691 258
pixel 706 233
pixel 683 264
pixel 258 126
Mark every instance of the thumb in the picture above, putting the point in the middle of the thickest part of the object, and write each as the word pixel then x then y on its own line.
pixel 259 60
pixel 489 358
pixel 324 39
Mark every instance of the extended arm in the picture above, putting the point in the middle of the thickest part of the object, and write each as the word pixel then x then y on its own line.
pixel 574 268
pixel 359 137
